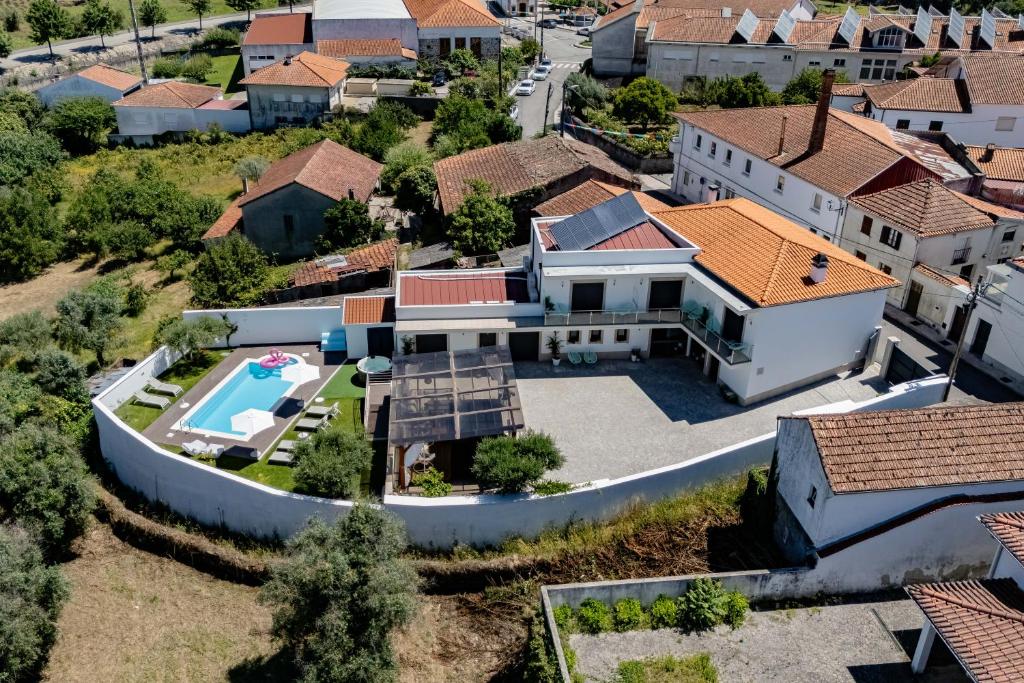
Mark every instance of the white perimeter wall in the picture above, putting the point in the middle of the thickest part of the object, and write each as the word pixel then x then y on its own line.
pixel 276 325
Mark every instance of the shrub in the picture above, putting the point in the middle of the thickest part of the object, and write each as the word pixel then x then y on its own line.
pixel 25 333
pixel 88 319
pixel 421 88
pixel 702 606
pixel 187 336
pixel 330 463
pixel 135 300
pixel 551 487
pixel 58 373
pixel 593 616
pixel 6 44
pixel 663 612
pixel 400 159
pixel 736 607
pixel 693 669
pixel 31 598
pixel 630 615
pixel 540 665
pixel 166 67
pixel 432 482
pixel 564 619
pixel 12 22
pixel 510 464
pixel 231 272
pixel 482 224
pixel 348 224
pixel 197 67
pixel 755 507
pixel 220 37
pixel 81 123
pixel 415 190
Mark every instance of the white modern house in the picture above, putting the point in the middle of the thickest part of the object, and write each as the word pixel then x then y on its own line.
pixel 759 303
pixel 176 107
pixel 99 80
pixel 995 333
pixel 936 241
pixel 843 477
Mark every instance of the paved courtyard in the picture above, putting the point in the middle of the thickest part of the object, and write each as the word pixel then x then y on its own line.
pixel 867 642
pixel 621 418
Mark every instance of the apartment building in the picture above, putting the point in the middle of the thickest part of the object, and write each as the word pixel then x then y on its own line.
pixel 995 334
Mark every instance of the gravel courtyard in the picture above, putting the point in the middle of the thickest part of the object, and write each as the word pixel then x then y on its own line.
pixel 867 642
pixel 621 418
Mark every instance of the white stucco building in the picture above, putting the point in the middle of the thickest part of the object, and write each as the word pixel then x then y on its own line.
pixel 995 334
pixel 272 37
pixel 99 80
pixel 177 107
pixel 295 90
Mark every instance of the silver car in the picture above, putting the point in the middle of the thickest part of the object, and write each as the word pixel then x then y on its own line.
pixel 526 87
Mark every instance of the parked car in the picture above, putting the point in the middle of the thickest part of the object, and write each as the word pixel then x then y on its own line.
pixel 526 87
pixel 440 78
pixel 548 23
pixel 545 61
pixel 583 31
pixel 541 73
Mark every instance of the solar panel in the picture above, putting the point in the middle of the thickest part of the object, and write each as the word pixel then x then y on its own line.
pixel 784 26
pixel 747 25
pixel 922 26
pixel 593 226
pixel 999 14
pixel 1020 21
pixel 872 10
pixel 955 32
pixel 988 28
pixel 934 12
pixel 848 29
pixel 905 10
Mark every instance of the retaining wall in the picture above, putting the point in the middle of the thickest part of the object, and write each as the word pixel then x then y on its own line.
pixel 276 325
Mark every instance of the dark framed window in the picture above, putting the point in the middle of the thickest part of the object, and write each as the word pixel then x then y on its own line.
pixel 1009 235
pixel 865 225
pixel 861 255
pixel 812 496
pixel 572 337
pixel 902 124
pixel 891 237
pixel 728 157
pixel 596 336
pixel 488 339
pixel 622 336
pixel 935 125
pixel 746 167
pixel 587 296
pixel 885 269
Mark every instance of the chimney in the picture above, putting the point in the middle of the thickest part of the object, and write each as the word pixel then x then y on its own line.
pixel 817 140
pixel 990 152
pixel 782 135
pixel 287 60
pixel 351 194
pixel 726 12
pixel 711 193
pixel 819 268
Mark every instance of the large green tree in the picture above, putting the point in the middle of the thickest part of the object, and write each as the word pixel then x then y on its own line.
pixel 331 462
pixel 482 224
pixel 644 101
pixel 31 237
pixel 81 123
pixel 805 87
pixel 100 18
pixel 401 158
pixel 187 336
pixel 246 6
pixel 48 21
pixel 340 593
pixel 200 7
pixel 88 319
pixel 415 190
pixel 23 153
pixel 151 13
pixel 348 224
pixel 232 272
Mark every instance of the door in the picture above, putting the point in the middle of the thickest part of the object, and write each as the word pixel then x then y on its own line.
pixel 958 323
pixel 380 341
pixel 431 343
pixel 488 339
pixel 587 296
pixel 732 326
pixel 667 342
pixel 524 345
pixel 981 338
pixel 665 294
pixel 713 366
pixel 914 298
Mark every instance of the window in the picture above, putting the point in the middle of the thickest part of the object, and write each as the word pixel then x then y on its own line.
pixel 816 203
pixel 838 62
pixel 935 125
pixel 891 237
pixel 889 37
pixel 289 226
pixel 686 177
pixel 728 157
pixel 1009 235
pixel 967 271
pixel 746 167
pixel 279 97
pixel 596 336
pixel 297 99
pixel 460 43
pixel 787 58
pixel 622 336
pixel 729 193
pixel 861 255
pixel 814 62
pixel 884 268
pixel 902 124
pixel 1005 123
pixel 572 337
pixel 780 184
pixel 713 149
pixel 812 496
pixel 865 226
pixel 698 142
pixel 878 69
pixel 488 339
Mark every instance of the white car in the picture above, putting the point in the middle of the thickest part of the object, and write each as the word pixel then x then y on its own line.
pixel 541 73
pixel 526 87
pixel 584 31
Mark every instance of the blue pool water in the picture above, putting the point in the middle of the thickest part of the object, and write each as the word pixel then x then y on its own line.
pixel 250 387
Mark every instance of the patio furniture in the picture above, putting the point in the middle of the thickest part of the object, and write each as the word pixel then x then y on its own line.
pixel 590 358
pixel 280 457
pixel 244 452
pixel 310 424
pixel 286 445
pixel 164 387
pixel 196 447
pixel 575 358
pixel 215 450
pixel 422 463
pixel 323 411
pixel 152 400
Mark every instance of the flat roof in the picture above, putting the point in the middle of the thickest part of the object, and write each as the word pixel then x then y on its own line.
pixel 454 288
pixel 360 9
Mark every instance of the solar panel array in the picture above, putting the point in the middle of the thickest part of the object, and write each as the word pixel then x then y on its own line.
pixel 988 28
pixel 904 10
pixel 923 25
pixel 934 12
pixel 593 226
pixel 848 29
pixel 747 25
pixel 784 26
pixel 955 32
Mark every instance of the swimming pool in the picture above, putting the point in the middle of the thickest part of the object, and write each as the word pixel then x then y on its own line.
pixel 249 386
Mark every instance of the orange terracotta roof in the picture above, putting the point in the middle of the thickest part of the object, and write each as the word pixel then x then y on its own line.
pixel 765 257
pixel 376 256
pixel 305 69
pixel 903 449
pixel 514 167
pixel 653 12
pixel 228 221
pixel 994 79
pixel 848 90
pixel 450 13
pixel 326 167
pixel 369 259
pixel 944 279
pixel 580 198
pixel 1008 529
pixel 170 95
pixel 109 76
pixel 280 29
pixel 369 310
pixel 928 208
pixel 920 94
pixel 384 47
pixel 982 623
pixel 1007 163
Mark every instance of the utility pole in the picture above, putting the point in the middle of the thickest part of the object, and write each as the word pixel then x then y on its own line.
pixel 972 303
pixel 501 75
pixel 561 125
pixel 547 105
pixel 138 43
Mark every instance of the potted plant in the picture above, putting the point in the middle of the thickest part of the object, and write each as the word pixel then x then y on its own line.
pixel 554 345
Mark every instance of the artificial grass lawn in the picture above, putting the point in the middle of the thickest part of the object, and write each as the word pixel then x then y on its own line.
pixel 227 71
pixel 185 373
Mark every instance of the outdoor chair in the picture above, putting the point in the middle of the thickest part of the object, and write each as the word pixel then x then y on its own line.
pixel 575 358
pixel 311 424
pixel 422 463
pixel 164 387
pixel 691 310
pixel 323 411
pixel 196 447
pixel 590 358
pixel 280 457
pixel 152 400
pixel 286 445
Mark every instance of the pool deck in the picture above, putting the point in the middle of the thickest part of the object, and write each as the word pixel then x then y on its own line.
pixel 162 431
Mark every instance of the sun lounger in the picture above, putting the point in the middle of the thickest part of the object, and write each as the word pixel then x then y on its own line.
pixel 286 445
pixel 590 358
pixel 322 411
pixel 196 447
pixel 164 387
pixel 311 424
pixel 151 400
pixel 280 457
pixel 575 358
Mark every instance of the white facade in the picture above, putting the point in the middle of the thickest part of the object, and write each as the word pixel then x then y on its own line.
pixel 255 57
pixel 703 160
pixel 142 123
pixel 995 332
pixel 1002 125
pixel 77 86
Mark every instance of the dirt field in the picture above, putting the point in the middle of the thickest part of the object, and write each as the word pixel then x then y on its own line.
pixel 46 290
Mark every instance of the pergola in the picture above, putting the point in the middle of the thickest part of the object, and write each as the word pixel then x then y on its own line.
pixel 452 395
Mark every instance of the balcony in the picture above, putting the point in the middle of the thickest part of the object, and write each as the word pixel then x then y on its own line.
pixel 961 255
pixel 733 353
pixel 583 318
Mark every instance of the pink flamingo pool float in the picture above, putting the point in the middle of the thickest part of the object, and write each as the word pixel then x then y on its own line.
pixel 275 359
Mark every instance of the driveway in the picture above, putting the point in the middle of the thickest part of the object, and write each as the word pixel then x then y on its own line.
pixel 867 642
pixel 621 418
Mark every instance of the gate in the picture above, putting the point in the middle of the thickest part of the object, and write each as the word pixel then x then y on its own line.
pixel 904 368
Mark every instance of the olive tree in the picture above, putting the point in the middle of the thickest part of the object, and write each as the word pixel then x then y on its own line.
pixel 330 463
pixel 185 336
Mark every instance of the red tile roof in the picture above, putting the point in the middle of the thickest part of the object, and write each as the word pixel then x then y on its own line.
pixel 368 310
pixel 228 221
pixel 304 70
pixel 326 167
pixel 903 449
pixel 170 95
pixel 450 13
pixel 383 47
pixel 982 623
pixel 765 257
pixel 588 195
pixel 920 94
pixel 1008 529
pixel 944 279
pixel 1007 163
pixel 370 259
pixel 109 76
pixel 994 79
pixel 643 236
pixel 280 29
pixel 449 288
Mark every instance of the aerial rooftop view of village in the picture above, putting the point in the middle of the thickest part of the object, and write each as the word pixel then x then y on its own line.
pixel 545 341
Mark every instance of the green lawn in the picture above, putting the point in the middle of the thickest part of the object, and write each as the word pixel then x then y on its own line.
pixel 184 373
pixel 227 71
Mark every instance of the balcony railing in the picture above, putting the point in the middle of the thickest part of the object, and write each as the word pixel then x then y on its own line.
pixel 961 255
pixel 731 352
pixel 567 318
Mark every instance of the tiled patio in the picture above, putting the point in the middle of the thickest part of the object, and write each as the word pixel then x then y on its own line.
pixel 162 430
